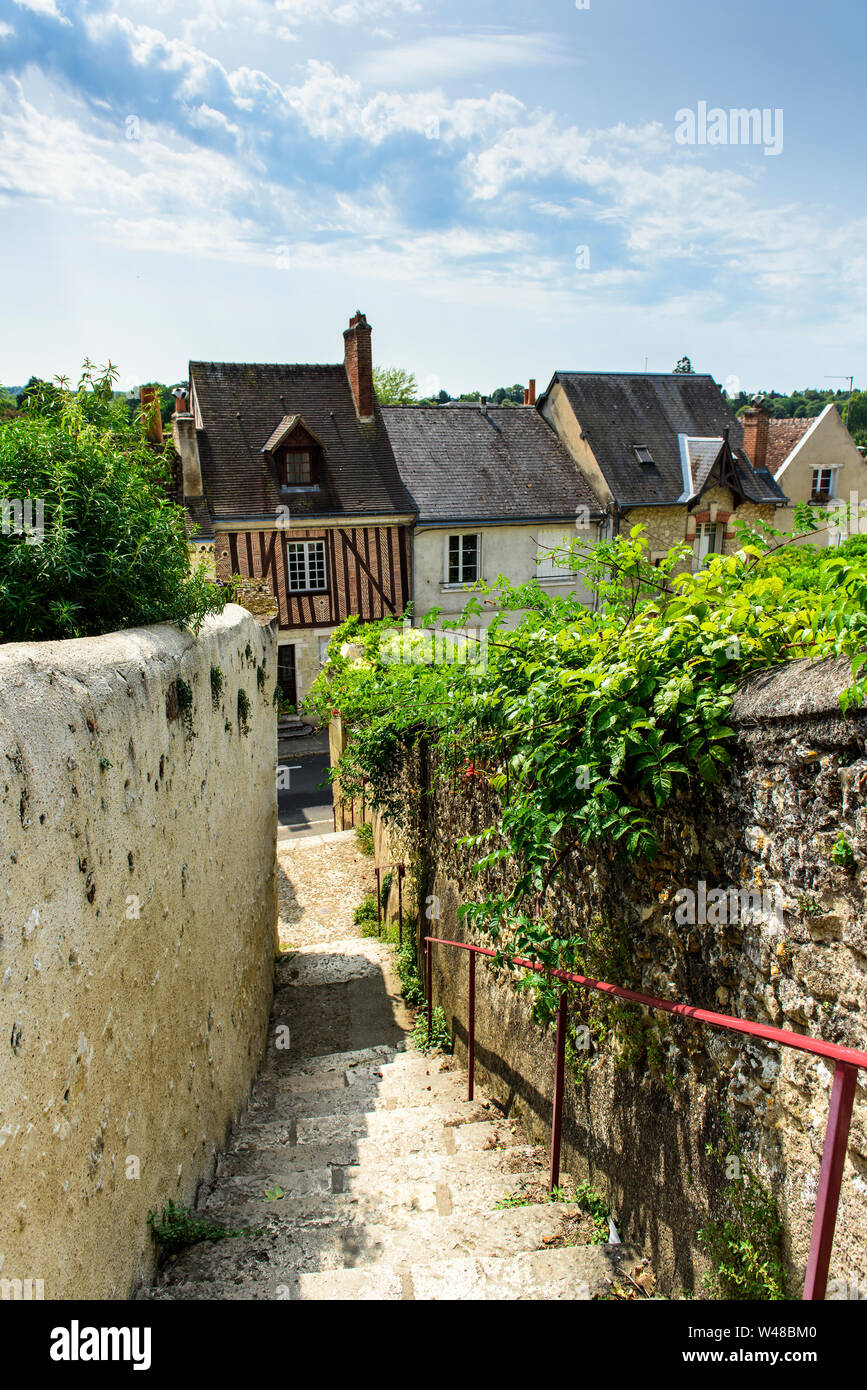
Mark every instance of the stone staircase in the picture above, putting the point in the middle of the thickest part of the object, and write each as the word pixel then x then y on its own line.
pixel 389 1176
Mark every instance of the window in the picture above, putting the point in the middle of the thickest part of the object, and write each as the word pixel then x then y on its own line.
pixel 323 649
pixel 297 467
pixel 643 454
pixel 547 567
pixel 708 540
pixel 463 566
pixel 823 485
pixel 306 565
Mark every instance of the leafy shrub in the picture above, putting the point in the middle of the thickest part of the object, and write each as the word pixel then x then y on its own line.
pixel 178 1226
pixel 364 836
pixel 440 1036
pixel 115 550
pixel 744 1241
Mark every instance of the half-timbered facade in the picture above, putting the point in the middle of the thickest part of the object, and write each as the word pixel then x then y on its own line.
pixel 290 470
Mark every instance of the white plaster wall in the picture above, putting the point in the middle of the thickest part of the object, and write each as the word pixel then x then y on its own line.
pixel 137 931
pixel 829 444
pixel 510 550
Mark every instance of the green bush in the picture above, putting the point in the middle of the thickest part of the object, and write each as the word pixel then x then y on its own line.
pixel 114 552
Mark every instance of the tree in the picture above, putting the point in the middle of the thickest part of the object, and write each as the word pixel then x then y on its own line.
pixel 109 549
pixel 684 368
pixel 395 386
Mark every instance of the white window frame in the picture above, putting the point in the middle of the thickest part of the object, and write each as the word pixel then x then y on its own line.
pixel 461 583
pixel 831 470
pixel 312 552
pixel 703 530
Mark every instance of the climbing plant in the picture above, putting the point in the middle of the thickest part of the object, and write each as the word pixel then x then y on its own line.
pixel 583 720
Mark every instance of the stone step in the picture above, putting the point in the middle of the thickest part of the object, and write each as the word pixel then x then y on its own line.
pixel 366 1156
pixel 388 1093
pixel 249 1155
pixel 384 1199
pixel 384 1122
pixel 574 1274
pixel 403 1067
pixel 270 1257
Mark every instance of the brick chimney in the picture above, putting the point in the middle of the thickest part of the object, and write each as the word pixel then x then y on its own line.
pixel 358 357
pixel 187 446
pixel 531 391
pixel 755 422
pixel 150 407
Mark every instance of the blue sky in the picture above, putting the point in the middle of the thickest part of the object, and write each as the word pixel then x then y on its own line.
pixel 231 179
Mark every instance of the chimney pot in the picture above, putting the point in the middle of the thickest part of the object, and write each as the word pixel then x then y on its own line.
pixel 531 391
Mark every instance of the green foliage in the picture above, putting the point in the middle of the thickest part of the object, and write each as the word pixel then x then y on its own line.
pixel 744 1241
pixel 440 1036
pixel 842 853
pixel 178 1226
pixel 394 386
pixel 385 887
pixel 243 711
pixel 366 911
pixel 583 723
pixel 364 836
pixel 217 682
pixel 582 1195
pixel 115 550
pixel 411 984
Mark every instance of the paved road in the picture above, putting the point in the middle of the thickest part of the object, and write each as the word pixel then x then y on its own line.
pixel 303 807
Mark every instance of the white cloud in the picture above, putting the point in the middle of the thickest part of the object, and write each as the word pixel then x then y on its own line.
pixel 5 30
pixel 45 7
pixel 447 56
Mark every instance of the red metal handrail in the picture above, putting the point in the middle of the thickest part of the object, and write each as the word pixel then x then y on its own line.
pixel 846 1061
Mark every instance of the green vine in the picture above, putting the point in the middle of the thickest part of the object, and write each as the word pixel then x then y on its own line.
pixel 583 723
pixel 743 1242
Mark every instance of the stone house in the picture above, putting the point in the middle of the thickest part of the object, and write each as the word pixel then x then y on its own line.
pixel 289 470
pixel 495 492
pixel 815 461
pixel 663 451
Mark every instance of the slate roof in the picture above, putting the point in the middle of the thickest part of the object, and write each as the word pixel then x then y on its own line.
pixel 617 411
pixel 784 435
pixel 242 405
pixel 504 464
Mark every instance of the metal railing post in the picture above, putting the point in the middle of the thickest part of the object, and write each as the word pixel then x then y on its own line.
pixel 429 946
pixel 471 1027
pixel 830 1179
pixel 559 1068
pixel 378 871
pixel 400 873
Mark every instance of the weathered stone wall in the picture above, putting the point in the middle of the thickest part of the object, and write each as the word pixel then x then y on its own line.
pixel 639 1116
pixel 137 932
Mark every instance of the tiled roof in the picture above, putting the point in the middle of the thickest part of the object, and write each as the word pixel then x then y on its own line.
pixel 496 465
pixel 243 404
pixel 618 411
pixel 783 436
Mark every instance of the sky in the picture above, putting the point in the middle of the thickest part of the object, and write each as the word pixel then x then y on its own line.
pixel 505 189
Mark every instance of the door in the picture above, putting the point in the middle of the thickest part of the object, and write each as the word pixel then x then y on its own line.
pixel 286 673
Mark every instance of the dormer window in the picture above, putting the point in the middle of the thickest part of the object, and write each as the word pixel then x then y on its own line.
pixel 296 453
pixel 643 454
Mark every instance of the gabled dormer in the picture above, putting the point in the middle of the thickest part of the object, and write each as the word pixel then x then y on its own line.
pixel 297 453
